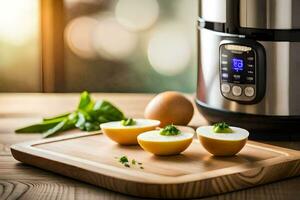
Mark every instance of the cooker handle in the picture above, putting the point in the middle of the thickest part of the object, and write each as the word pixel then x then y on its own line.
pixel 232 24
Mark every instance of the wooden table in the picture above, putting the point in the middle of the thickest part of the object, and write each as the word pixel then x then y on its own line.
pixel 18 180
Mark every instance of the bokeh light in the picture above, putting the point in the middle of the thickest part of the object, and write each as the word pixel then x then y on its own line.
pixel 169 51
pixel 78 35
pixel 96 2
pixel 18 21
pixel 111 40
pixel 137 14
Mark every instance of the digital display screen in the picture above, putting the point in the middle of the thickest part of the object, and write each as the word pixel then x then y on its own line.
pixel 237 64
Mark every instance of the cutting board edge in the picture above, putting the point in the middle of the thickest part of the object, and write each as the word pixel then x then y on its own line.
pixel 291 167
pixel 169 191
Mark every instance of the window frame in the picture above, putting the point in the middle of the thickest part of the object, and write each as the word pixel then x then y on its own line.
pixel 52 45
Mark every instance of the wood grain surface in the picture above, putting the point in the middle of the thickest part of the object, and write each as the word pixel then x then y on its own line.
pixel 91 157
pixel 21 181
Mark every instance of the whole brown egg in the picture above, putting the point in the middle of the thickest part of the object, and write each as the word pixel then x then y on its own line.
pixel 170 108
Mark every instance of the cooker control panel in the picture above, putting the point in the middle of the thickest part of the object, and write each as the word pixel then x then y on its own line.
pixel 242 71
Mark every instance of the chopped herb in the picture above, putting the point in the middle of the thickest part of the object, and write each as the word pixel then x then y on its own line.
pixel 222 127
pixel 123 159
pixel 170 130
pixel 128 122
pixel 133 161
pixel 126 165
pixel 126 162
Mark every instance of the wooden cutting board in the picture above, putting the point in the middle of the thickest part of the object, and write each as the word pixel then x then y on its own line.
pixel 194 173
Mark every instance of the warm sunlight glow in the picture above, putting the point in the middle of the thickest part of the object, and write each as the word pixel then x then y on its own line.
pixel 18 20
pixel 137 14
pixel 169 51
pixel 111 40
pixel 69 4
pixel 78 35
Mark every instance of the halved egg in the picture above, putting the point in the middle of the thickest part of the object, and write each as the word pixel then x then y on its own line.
pixel 222 144
pixel 162 145
pixel 127 135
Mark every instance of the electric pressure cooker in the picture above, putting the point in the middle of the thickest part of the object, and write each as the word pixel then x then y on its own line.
pixel 249 65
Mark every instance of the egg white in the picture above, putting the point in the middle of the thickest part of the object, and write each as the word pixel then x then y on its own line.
pixel 155 136
pixel 140 123
pixel 238 133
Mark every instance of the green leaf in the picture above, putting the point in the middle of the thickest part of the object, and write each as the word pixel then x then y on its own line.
pixel 57 118
pixel 88 116
pixel 103 111
pixel 37 128
pixel 91 126
pixel 85 101
pixel 66 124
pixel 59 127
pixel 81 120
pixel 85 122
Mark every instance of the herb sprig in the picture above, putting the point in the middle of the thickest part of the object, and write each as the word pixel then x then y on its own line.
pixel 222 127
pixel 88 115
pixel 170 130
pixel 128 122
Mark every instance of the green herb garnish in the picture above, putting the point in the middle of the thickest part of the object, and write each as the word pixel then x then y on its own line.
pixel 123 159
pixel 87 117
pixel 126 162
pixel 128 122
pixel 133 162
pixel 126 165
pixel 170 130
pixel 222 127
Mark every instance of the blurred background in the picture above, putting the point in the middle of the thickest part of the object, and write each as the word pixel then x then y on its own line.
pixel 98 45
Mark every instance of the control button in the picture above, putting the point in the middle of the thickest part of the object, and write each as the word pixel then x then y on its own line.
pixel 250 65
pixel 225 75
pixel 225 88
pixel 224 62
pixel 236 90
pixel 236 76
pixel 250 58
pixel 250 72
pixel 224 55
pixel 249 78
pixel 224 68
pixel 249 91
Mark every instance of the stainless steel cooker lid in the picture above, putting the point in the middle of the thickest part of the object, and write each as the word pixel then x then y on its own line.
pixel 259 14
